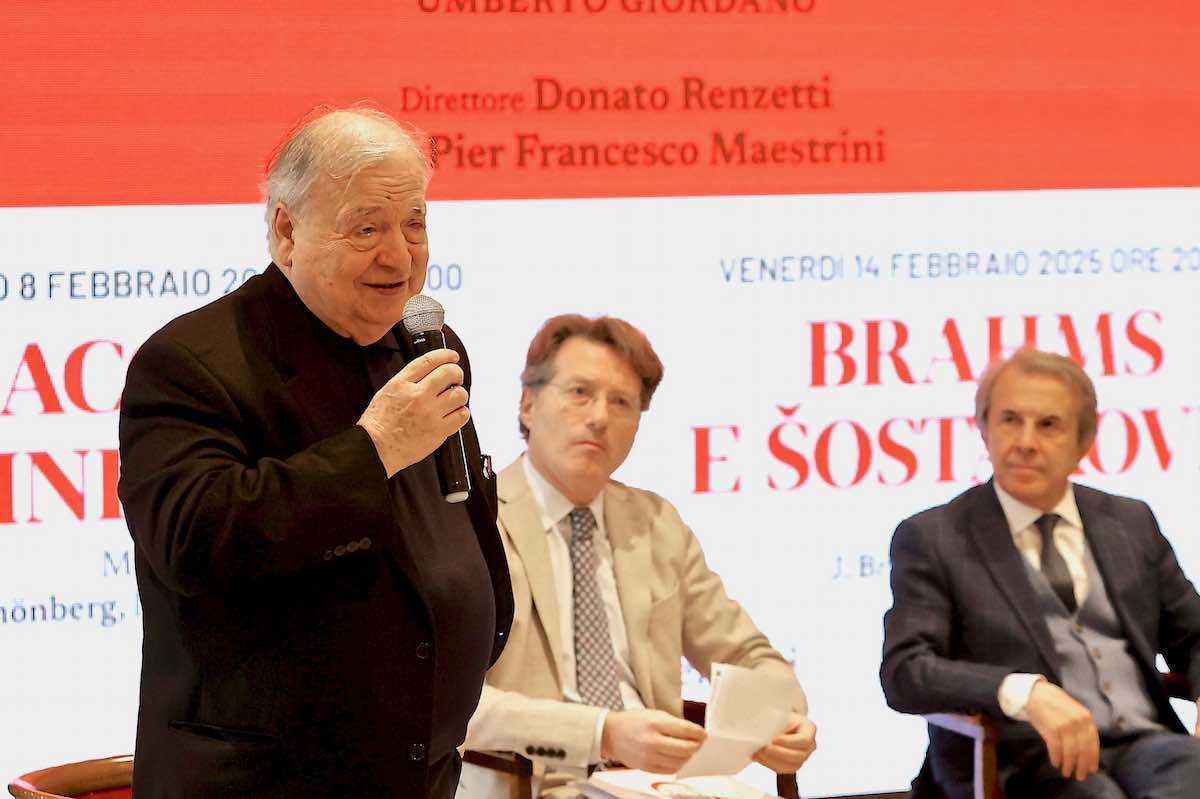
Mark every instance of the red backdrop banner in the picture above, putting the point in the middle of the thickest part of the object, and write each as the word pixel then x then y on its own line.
pixel 128 103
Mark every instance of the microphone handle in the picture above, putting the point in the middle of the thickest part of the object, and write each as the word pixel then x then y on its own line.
pixel 451 457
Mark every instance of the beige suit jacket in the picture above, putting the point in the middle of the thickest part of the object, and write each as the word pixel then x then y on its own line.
pixel 673 605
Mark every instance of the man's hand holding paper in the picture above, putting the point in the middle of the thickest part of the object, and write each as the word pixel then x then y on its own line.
pixel 746 720
pixel 787 751
pixel 650 740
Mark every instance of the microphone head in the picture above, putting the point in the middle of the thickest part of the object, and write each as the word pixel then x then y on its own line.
pixel 423 314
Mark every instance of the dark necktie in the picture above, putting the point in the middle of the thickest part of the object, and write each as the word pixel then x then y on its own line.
pixel 1053 565
pixel 595 662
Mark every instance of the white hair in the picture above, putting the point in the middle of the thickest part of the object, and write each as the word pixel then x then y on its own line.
pixel 334 145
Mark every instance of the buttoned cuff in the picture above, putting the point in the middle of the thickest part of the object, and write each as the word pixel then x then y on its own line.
pixel 1014 694
pixel 598 737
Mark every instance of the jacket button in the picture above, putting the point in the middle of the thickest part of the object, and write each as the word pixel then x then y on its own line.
pixel 529 750
pixel 364 543
pixel 328 554
pixel 352 546
pixel 417 751
pixel 423 650
pixel 339 550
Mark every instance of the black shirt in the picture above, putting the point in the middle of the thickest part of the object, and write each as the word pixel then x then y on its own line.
pixel 452 574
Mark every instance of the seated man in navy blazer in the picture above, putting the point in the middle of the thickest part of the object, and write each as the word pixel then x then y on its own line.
pixel 1043 604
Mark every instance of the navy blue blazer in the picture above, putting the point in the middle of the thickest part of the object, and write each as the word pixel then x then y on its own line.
pixel 965 615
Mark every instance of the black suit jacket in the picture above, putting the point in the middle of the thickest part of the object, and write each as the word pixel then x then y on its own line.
pixel 965 615
pixel 285 644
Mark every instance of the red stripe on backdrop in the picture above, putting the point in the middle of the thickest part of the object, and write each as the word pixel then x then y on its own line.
pixel 120 103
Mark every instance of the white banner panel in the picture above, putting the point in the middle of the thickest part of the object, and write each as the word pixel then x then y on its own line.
pixel 820 358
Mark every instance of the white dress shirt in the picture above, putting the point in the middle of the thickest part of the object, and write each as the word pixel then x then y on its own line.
pixel 556 510
pixel 1071 544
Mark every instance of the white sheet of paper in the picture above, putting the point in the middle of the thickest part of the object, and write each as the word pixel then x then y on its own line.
pixel 633 784
pixel 720 755
pixel 725 788
pixel 747 709
pixel 749 703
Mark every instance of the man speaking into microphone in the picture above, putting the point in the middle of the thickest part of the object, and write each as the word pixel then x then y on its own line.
pixel 317 617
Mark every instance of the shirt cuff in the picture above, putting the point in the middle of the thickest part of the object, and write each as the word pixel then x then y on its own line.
pixel 601 717
pixel 1014 694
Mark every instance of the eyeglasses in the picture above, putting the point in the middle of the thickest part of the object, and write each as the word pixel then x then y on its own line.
pixel 580 395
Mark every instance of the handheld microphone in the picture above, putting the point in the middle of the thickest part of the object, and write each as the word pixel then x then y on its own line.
pixel 423 318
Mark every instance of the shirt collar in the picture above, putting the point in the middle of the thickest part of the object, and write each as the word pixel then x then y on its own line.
pixel 555 507
pixel 388 342
pixel 1020 516
pixel 325 333
pixel 320 330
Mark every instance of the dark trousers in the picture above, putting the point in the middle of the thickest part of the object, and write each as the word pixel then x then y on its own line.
pixel 443 777
pixel 1152 765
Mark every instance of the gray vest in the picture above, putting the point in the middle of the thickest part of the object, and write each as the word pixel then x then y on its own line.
pixel 1095 661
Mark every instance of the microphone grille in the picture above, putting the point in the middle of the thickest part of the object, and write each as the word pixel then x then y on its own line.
pixel 423 314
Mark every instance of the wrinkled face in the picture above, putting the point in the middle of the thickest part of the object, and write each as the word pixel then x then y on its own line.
pixel 1032 436
pixel 359 249
pixel 583 422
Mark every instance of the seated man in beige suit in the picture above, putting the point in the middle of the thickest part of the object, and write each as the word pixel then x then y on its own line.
pixel 610 585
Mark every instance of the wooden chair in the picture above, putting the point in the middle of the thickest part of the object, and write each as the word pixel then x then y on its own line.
pixel 105 778
pixel 516 765
pixel 521 768
pixel 983 730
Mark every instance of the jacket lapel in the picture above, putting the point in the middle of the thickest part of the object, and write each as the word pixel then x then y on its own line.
pixel 991 536
pixel 323 376
pixel 1115 559
pixel 629 535
pixel 521 520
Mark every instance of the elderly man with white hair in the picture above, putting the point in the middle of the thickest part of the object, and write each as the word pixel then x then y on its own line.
pixel 317 619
